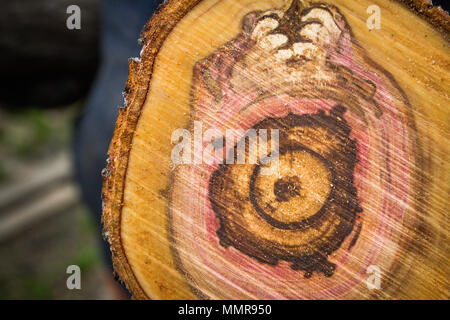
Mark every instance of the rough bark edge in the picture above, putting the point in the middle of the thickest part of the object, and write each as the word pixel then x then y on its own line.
pixel 140 72
pixel 114 175
pixel 436 16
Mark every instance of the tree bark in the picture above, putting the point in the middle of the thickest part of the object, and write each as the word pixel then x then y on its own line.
pixel 346 194
pixel 42 57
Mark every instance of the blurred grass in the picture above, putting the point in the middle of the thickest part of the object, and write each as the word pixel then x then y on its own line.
pixel 2 173
pixel 36 288
pixel 33 264
pixel 30 133
pixel 87 258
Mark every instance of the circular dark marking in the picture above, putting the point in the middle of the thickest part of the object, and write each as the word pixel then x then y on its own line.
pixel 248 211
pixel 288 187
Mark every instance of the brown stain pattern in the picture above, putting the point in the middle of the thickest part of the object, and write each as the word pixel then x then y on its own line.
pixel 153 36
pixel 326 138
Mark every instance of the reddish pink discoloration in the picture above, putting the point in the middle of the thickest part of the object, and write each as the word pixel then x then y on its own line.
pixel 382 176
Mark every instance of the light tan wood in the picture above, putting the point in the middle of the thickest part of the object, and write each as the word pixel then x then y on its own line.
pixel 411 48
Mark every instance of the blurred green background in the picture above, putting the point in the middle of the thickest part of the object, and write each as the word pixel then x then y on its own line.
pixel 44 226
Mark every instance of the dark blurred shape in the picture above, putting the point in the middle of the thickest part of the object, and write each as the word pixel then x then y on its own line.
pixel 121 25
pixel 444 4
pixel 43 63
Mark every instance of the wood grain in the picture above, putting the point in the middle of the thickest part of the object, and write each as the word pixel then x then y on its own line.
pixel 150 224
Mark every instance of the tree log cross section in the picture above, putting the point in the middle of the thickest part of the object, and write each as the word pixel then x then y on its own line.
pixel 284 149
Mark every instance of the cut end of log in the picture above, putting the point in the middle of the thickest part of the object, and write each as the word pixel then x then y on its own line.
pixel 281 150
